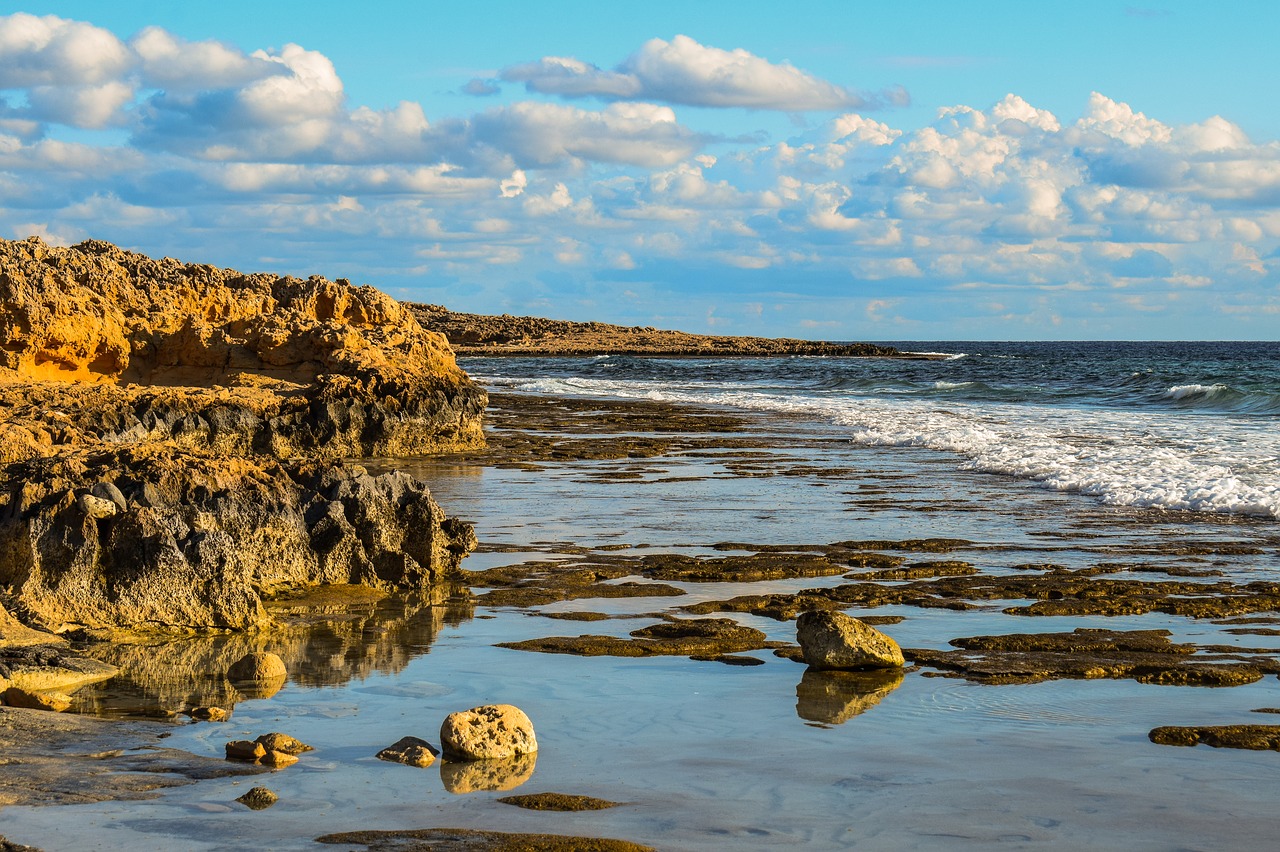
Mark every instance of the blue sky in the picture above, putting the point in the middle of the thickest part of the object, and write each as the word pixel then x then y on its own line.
pixel 914 170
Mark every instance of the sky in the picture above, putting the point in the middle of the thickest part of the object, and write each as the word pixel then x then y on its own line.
pixel 829 170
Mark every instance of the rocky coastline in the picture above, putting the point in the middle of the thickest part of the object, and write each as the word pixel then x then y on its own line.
pixel 174 440
pixel 508 336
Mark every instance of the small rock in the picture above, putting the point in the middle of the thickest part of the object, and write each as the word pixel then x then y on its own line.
pixel 208 714
pixel 245 750
pixel 833 640
pixel 257 666
pixel 557 802
pixel 410 751
pixel 278 759
pixel 284 743
pixel 258 799
pixel 17 697
pixel 488 732
pixel 97 507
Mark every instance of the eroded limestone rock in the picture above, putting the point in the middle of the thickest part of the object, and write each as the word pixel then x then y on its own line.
pixel 203 539
pixel 490 732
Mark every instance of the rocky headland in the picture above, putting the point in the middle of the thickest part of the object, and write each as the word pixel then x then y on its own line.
pixel 173 437
pixel 479 334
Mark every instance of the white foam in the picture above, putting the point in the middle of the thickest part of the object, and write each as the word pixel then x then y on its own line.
pixel 1185 391
pixel 1148 460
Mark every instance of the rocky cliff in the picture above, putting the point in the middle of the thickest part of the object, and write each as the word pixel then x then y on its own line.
pixel 169 435
pixel 320 368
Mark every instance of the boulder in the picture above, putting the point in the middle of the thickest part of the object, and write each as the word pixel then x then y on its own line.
pixel 493 731
pixel 283 743
pixel 410 751
pixel 833 640
pixel 257 666
pixel 245 750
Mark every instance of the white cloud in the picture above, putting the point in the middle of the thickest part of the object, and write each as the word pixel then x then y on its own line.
pixel 683 71
pixel 174 64
pixel 51 51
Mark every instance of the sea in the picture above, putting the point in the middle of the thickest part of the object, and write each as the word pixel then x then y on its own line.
pixel 1169 425
pixel 1134 459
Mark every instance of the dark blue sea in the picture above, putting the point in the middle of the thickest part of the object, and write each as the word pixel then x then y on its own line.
pixel 1184 426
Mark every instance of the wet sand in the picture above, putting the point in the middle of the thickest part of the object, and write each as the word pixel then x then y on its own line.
pixel 608 519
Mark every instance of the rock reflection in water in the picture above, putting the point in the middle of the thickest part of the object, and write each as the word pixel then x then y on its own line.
pixel 323 640
pixel 487 775
pixel 835 697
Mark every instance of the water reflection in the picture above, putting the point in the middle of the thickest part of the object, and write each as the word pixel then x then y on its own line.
pixel 835 697
pixel 324 640
pixel 487 775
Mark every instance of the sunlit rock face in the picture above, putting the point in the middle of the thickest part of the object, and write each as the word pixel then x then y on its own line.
pixel 277 365
pixel 169 435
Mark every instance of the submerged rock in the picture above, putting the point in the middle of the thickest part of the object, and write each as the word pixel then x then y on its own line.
pixel 557 802
pixel 693 637
pixel 258 798
pixel 493 731
pixel 257 666
pixel 410 751
pixel 1255 737
pixel 833 640
pixel 468 839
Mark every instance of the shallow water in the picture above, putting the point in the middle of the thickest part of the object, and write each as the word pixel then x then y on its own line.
pixel 708 756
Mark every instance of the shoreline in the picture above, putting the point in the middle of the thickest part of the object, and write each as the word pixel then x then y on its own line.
pixel 618 513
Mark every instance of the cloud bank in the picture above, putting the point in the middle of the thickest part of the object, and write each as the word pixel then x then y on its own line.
pixel 994 220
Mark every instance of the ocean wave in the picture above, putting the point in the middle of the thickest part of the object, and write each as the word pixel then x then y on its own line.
pixel 1190 391
pixel 1149 460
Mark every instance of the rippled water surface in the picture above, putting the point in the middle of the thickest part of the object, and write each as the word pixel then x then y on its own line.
pixel 708 756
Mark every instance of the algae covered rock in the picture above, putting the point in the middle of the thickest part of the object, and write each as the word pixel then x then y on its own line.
pixel 833 640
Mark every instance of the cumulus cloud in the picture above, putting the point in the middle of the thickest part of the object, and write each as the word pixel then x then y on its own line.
pixel 50 51
pixel 683 71
pixel 264 149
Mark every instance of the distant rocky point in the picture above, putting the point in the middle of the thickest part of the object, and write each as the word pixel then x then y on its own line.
pixel 170 436
pixel 477 334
